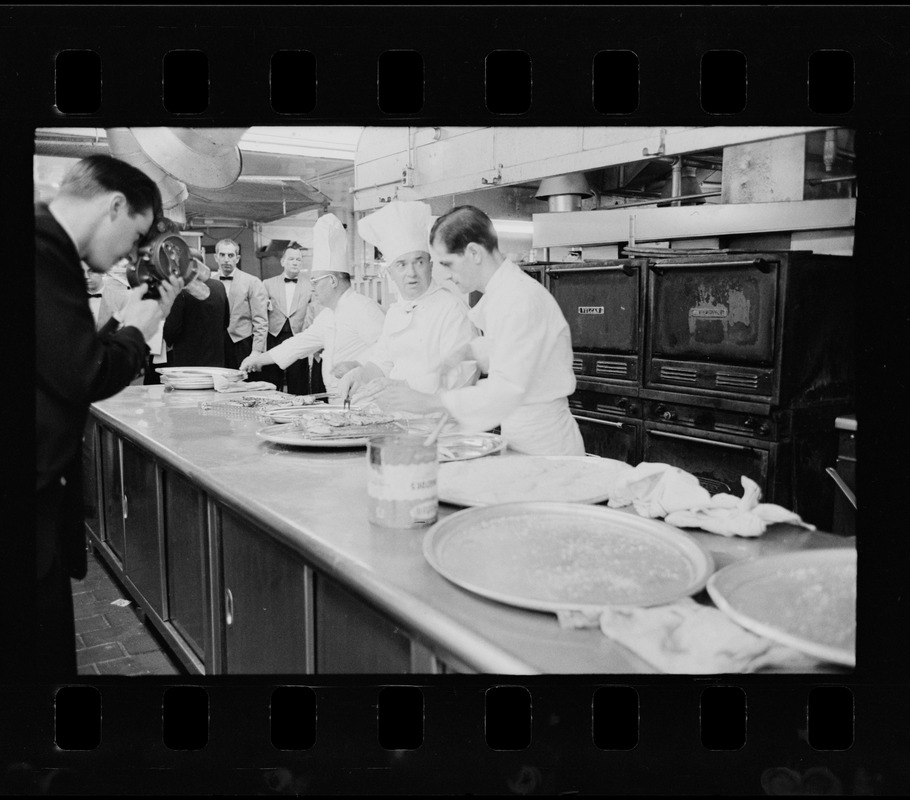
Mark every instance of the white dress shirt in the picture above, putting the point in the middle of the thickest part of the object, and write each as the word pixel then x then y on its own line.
pixel 345 333
pixel 418 334
pixel 526 351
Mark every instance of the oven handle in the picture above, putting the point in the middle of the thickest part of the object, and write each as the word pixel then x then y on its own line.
pixel 842 486
pixel 761 263
pixel 701 441
pixel 602 422
pixel 628 269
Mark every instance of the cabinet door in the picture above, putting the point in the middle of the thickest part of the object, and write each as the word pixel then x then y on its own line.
pixel 112 492
pixel 353 638
pixel 267 603
pixel 90 481
pixel 140 517
pixel 185 544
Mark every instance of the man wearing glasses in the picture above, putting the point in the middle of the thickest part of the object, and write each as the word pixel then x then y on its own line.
pixel 349 322
pixel 248 300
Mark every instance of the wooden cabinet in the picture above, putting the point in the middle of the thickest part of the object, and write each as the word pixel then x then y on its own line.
pixel 266 603
pixel 111 494
pixel 143 547
pixel 353 638
pixel 185 534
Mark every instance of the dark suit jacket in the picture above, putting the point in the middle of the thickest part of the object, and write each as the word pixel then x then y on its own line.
pixel 195 328
pixel 74 367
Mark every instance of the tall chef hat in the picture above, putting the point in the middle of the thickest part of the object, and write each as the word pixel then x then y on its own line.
pixel 330 245
pixel 398 228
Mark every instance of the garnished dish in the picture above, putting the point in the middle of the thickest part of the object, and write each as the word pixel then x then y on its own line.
pixel 328 426
pixel 553 556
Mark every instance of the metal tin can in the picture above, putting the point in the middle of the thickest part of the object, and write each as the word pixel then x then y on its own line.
pixel 401 481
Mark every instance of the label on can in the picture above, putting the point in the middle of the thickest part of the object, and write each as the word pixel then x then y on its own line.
pixel 402 495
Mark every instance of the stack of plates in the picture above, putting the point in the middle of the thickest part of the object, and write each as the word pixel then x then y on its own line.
pixel 195 377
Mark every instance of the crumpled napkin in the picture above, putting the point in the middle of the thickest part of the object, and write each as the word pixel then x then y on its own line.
pixel 729 515
pixel 661 490
pixel 686 637
pixel 224 384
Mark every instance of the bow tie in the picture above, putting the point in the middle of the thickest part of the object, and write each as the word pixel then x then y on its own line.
pixel 94 295
pixel 290 280
pixel 226 278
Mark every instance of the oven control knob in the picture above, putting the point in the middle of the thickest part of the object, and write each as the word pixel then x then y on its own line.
pixel 625 405
pixel 665 413
pixel 764 429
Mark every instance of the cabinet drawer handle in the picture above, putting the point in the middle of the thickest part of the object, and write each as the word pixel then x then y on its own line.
pixel 228 607
pixel 126 506
pixel 842 486
pixel 602 422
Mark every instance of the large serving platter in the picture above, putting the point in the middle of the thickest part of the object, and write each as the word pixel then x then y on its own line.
pixel 291 413
pixel 519 478
pixel 555 556
pixel 806 600
pixel 288 433
pixel 466 446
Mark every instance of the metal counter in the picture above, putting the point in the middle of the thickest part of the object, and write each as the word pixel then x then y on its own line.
pixel 314 501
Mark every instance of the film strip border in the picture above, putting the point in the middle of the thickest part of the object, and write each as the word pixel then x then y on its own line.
pixel 481 736
pixel 556 55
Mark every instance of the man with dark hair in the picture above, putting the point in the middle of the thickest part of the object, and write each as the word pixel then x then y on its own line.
pixel 249 322
pixel 291 310
pixel 104 209
pixel 526 349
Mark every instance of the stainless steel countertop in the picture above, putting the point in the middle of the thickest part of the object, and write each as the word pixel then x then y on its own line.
pixel 315 502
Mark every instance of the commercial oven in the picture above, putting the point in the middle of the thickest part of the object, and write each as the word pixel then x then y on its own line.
pixel 776 327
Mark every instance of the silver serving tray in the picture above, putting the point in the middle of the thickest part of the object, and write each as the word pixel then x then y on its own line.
pixel 805 600
pixel 556 556
pixel 466 446
pixel 521 478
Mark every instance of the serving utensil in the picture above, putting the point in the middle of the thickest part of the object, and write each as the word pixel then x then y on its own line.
pixel 431 439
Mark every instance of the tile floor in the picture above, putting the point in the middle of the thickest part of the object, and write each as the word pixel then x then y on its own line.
pixel 112 639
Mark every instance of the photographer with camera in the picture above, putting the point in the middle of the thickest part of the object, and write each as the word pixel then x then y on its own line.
pixel 104 210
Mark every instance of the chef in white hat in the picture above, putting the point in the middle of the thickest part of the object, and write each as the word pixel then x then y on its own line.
pixel 425 325
pixel 349 323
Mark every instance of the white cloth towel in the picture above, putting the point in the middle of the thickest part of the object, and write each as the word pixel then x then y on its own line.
pixel 224 384
pixel 688 638
pixel 661 490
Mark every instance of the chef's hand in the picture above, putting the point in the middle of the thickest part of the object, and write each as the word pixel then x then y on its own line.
pixel 251 363
pixel 367 391
pixel 401 397
pixel 348 382
pixel 342 368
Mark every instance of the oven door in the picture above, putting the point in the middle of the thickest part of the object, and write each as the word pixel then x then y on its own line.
pixel 601 302
pixel 712 325
pixel 611 438
pixel 717 462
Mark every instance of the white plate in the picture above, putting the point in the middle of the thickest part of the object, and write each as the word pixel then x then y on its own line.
pixel 208 372
pixel 806 600
pixel 515 479
pixel 289 434
pixel 553 556
pixel 465 446
pixel 202 383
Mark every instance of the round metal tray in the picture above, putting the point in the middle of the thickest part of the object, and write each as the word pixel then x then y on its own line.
pixel 806 600
pixel 289 434
pixel 518 478
pixel 553 556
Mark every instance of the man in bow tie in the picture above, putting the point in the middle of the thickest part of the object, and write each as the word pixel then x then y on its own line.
pixel 291 310
pixel 249 306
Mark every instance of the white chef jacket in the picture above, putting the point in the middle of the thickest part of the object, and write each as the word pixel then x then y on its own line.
pixel 345 332
pixel 526 350
pixel 418 334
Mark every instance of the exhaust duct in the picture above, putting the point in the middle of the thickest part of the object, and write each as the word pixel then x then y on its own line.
pixel 564 192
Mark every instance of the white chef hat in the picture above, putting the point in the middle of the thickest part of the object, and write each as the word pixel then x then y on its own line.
pixel 330 245
pixel 398 228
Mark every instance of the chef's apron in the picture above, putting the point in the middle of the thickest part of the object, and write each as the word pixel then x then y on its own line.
pixel 543 429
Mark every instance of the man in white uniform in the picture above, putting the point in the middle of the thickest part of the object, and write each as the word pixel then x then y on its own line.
pixel 349 322
pixel 428 322
pixel 526 349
